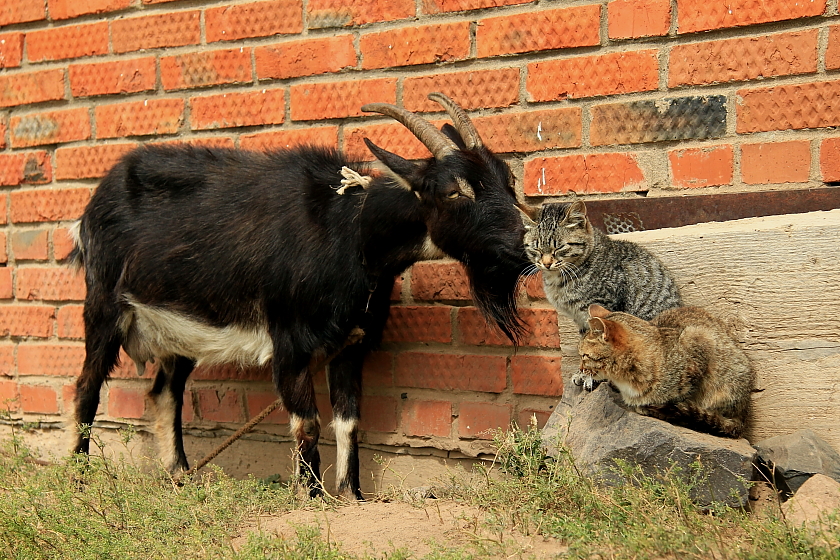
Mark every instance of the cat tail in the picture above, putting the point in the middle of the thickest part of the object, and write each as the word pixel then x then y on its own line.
pixel 713 423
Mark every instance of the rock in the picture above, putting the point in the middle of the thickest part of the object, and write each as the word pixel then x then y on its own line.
pixel 790 460
pixel 597 431
pixel 812 507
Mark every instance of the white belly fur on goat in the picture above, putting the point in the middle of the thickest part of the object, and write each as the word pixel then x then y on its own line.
pixel 153 332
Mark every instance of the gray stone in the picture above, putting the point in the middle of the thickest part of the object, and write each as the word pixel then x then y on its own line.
pixel 597 430
pixel 792 459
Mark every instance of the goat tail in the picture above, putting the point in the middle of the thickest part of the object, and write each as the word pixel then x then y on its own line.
pixel 76 259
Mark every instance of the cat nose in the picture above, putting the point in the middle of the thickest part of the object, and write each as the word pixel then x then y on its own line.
pixel 547 260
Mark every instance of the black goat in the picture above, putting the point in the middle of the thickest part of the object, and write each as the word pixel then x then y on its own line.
pixel 203 256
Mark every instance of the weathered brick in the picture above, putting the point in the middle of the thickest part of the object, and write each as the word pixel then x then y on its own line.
pixel 795 106
pixel 7 360
pixel 68 397
pixel 588 76
pixel 71 41
pixel 259 401
pixel 274 139
pixel 540 325
pixel 218 406
pixel 30 245
pixel 830 159
pixel 4 255
pixel 31 87
pixel 255 19
pixel 536 375
pixel 745 58
pixel 119 76
pixel 88 162
pixel 630 19
pixel 51 127
pixel 535 417
pixel 480 420
pixel 589 173
pixel 379 414
pixel 438 6
pixel 125 402
pixel 424 44
pixel 170 29
pixel 21 11
pixel 49 284
pixel 335 100
pixel 69 322
pixel 378 370
pixel 139 118
pixel 4 218
pixel 701 167
pixel 305 58
pixel 531 131
pixel 832 52
pixel 25 167
pixel 451 371
pixel 9 395
pixel 48 205
pixel 439 281
pixel 680 118
pixel 412 323
pixel 6 286
pixel 776 162
pixel 26 320
pixel 426 418
pixel 11 49
pixel 392 137
pixel 225 372
pixel 205 68
pixel 62 243
pixel 46 358
pixel 206 142
pixel 577 26
pixel 339 13
pixel 66 9
pixel 470 90
pixel 38 399
pixel 703 15
pixel 238 109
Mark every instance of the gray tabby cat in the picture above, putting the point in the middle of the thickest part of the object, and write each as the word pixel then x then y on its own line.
pixel 582 265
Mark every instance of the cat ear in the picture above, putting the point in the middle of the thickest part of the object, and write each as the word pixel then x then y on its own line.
pixel 529 215
pixel 576 215
pixel 597 325
pixel 596 310
pixel 614 333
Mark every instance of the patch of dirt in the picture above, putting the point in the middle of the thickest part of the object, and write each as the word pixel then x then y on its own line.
pixel 376 527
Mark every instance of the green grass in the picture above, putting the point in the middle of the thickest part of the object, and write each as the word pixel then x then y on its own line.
pixel 100 509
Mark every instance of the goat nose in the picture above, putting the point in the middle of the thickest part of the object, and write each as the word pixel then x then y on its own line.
pixel 547 260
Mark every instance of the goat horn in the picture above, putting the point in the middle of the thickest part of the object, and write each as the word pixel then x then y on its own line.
pixel 432 138
pixel 462 122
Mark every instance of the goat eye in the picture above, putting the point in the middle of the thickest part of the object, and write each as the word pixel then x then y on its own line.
pixel 453 195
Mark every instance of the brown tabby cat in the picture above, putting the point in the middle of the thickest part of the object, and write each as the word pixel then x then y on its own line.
pixel 683 367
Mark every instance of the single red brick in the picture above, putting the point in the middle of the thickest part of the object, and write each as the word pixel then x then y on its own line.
pixel 743 59
pixel 27 320
pixel 339 13
pixel 379 414
pixel 219 406
pixel 4 218
pixel 62 242
pixel 255 19
pixel 392 137
pixel 701 167
pixel 50 284
pixel 259 401
pixel 119 76
pixel 238 109
pixel 335 100
pixel 31 87
pixel 9 396
pixel 832 53
pixel 7 360
pixel 139 118
pixel 49 205
pixel 66 9
pixel 776 162
pixel 480 420
pixel 470 90
pixel 232 371
pixel 4 255
pixel 439 281
pixel 274 139
pixel 125 402
pixel 306 57
pixel 187 410
pixel 588 76
pixel 11 49
pixel 577 26
pixel 46 358
pixel 205 68
pixel 536 375
pixel 88 162
pixel 419 324
pixel 830 159
pixel 30 245
pixel 438 6
pixel 788 107
pixel 629 19
pixel 528 415
pixel 38 399
pixel 70 323
pixel 533 285
pixel 70 41
pixel 531 131
pixel 590 173
pixel 21 11
pixel 6 287
pixel 451 371
pixel 424 44
pixel 25 167
pixel 703 15
pixel 50 127
pixel 540 324
pixel 170 29
pixel 378 370
pixel 426 418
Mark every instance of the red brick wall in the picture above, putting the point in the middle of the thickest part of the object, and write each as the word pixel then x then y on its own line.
pixel 603 98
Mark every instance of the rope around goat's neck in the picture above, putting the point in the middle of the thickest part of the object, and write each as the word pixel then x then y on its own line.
pixel 355 336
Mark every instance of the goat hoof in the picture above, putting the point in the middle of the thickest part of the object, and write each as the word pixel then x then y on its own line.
pixel 316 493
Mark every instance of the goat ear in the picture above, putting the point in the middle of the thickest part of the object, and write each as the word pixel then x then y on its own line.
pixel 402 167
pixel 596 310
pixel 528 214
pixel 450 132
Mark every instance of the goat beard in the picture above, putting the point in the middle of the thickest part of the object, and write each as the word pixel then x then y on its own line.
pixel 494 289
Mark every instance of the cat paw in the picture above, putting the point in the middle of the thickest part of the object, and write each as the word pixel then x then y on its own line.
pixel 585 380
